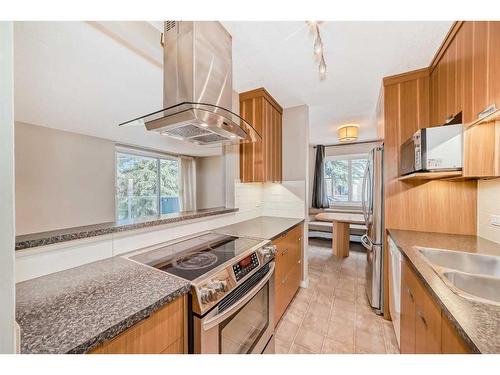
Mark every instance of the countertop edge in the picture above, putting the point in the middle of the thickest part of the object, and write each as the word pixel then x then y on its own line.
pixel 80 233
pixel 128 322
pixel 287 229
pixel 436 297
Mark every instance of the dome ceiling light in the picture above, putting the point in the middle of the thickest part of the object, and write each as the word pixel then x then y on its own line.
pixel 348 133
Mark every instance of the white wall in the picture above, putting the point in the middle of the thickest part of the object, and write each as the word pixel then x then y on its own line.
pixel 291 197
pixel 209 182
pixel 7 290
pixel 488 203
pixel 63 179
pixel 39 261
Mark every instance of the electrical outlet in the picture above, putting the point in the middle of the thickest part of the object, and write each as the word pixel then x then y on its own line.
pixel 495 220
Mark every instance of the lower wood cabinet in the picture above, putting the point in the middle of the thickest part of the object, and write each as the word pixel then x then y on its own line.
pixel 451 342
pixel 288 271
pixel 424 329
pixel 162 333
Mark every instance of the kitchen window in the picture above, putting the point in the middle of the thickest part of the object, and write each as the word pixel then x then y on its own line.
pixel 344 179
pixel 147 184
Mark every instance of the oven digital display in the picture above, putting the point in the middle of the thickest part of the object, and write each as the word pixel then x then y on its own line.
pixel 244 263
pixel 244 266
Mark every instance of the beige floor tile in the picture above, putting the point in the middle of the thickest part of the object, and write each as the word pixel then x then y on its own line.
pixel 297 349
pixel 369 325
pixel 369 342
pixel 299 305
pixel 322 299
pixel 286 331
pixel 342 317
pixel 341 305
pixel 293 315
pixel 347 285
pixel 333 315
pixel 315 323
pixel 331 346
pixel 345 295
pixel 309 340
pixel 281 347
pixel 325 290
pixel 391 343
pixel 341 332
pixel 320 309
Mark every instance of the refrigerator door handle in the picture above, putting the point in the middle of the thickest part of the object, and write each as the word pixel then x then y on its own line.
pixel 363 195
pixel 365 241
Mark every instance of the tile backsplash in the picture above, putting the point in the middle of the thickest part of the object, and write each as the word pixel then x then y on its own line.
pixel 488 203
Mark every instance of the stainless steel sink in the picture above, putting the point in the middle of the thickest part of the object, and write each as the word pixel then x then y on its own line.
pixel 475 286
pixel 465 262
pixel 474 276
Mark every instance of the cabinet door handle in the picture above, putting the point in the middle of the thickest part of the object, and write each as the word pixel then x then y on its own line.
pixel 284 279
pixel 284 252
pixel 422 318
pixel 410 294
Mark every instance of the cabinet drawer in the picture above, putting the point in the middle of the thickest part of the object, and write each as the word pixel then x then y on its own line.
pixel 285 289
pixel 289 249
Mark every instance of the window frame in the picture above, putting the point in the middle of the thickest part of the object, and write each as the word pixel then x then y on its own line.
pixel 120 149
pixel 349 158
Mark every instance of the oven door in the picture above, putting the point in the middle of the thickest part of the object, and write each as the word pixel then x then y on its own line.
pixel 242 323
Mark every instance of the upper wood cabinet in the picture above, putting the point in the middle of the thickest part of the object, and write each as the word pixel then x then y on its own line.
pixel 465 77
pixel 261 161
pixel 465 74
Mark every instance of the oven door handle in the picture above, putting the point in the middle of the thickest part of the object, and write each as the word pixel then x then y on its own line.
pixel 232 309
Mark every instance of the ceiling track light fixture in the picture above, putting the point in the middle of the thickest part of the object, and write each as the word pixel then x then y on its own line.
pixel 318 48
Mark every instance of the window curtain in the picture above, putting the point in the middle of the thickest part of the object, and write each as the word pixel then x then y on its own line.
pixel 319 198
pixel 188 184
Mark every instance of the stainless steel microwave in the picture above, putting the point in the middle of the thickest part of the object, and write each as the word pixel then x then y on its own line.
pixel 438 148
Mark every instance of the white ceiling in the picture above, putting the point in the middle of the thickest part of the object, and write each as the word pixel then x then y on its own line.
pixel 279 56
pixel 87 77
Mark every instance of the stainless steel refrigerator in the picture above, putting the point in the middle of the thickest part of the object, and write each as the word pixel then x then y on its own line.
pixel 373 212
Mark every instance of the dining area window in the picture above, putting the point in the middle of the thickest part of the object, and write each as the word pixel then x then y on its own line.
pixel 344 179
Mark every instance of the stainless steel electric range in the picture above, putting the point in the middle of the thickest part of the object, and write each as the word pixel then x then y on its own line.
pixel 231 304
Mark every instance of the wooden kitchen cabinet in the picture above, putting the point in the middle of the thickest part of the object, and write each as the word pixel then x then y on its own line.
pixel 482 150
pixel 161 333
pixel 420 316
pixel 451 342
pixel 261 161
pixel 288 271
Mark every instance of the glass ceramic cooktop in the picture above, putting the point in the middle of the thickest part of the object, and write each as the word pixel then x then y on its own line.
pixel 196 256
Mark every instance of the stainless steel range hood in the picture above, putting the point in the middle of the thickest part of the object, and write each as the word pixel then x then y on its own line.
pixel 197 87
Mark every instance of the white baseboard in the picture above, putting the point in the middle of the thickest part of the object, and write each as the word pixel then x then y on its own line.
pixel 304 283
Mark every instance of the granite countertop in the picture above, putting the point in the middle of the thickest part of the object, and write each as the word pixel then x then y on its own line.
pixel 75 310
pixel 69 234
pixel 478 323
pixel 263 227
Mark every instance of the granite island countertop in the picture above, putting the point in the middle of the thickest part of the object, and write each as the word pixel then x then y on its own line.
pixel 27 241
pixel 478 323
pixel 262 227
pixel 75 310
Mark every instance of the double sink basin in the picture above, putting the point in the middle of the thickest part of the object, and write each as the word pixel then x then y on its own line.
pixel 473 276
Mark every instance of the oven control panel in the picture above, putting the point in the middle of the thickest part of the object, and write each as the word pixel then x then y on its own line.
pixel 245 266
